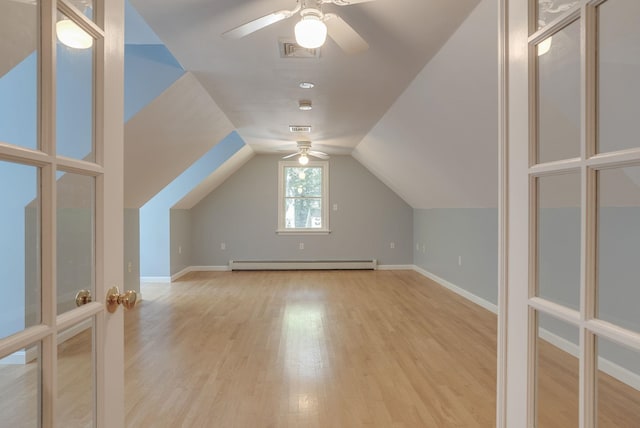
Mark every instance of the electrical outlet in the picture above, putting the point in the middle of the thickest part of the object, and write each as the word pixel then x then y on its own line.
pixel 301 246
pixel 417 247
pixel 392 245
pixel 335 207
pixel 129 267
pixel 179 249
pixel 459 260
pixel 424 248
pixel 223 246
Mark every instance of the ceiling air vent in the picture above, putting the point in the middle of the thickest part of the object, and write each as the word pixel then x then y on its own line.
pixel 299 128
pixel 289 49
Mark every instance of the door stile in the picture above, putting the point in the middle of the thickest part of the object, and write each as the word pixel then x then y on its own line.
pixel 47 122
pixel 110 188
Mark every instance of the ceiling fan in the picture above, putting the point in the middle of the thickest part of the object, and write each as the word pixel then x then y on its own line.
pixel 304 150
pixel 313 27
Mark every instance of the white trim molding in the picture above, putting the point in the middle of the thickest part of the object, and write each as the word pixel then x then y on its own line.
pixel 189 269
pixel 155 279
pixel 492 307
pixel 396 267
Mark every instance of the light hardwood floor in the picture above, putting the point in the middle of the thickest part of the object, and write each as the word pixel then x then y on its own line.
pixel 309 349
pixel 315 349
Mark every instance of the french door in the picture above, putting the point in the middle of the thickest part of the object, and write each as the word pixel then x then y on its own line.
pixel 570 317
pixel 61 133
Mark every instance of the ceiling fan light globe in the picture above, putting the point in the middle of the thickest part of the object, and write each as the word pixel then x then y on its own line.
pixel 303 160
pixel 311 32
pixel 544 46
pixel 71 35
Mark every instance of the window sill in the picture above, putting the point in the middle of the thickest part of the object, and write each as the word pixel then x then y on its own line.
pixel 303 232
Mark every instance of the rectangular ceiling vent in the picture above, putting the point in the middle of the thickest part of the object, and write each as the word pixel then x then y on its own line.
pixel 299 128
pixel 289 49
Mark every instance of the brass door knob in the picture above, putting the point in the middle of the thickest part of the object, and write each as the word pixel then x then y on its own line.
pixel 83 297
pixel 128 299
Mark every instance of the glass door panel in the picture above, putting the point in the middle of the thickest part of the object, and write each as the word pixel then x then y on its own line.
pixel 619 246
pixel 76 238
pixel 548 10
pixel 19 247
pixel 19 23
pixel 20 389
pixel 559 96
pixel 618 71
pixel 74 91
pixel 618 385
pixel 558 239
pixel 557 373
pixel 76 391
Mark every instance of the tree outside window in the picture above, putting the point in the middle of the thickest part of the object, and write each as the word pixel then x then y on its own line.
pixel 303 197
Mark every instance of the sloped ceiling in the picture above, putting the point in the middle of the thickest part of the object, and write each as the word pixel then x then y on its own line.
pixel 18 32
pixel 258 90
pixel 167 136
pixel 437 145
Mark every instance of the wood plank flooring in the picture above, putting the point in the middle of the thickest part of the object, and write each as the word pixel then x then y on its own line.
pixel 311 349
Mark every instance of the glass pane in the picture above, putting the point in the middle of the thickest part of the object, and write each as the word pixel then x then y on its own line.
pixel 19 73
pixel 303 182
pixel 619 246
pixel 303 213
pixel 75 237
pixel 84 6
pixel 548 10
pixel 557 373
pixel 559 96
pixel 618 386
pixel 618 71
pixel 74 91
pixel 20 389
pixel 559 239
pixel 75 376
pixel 19 248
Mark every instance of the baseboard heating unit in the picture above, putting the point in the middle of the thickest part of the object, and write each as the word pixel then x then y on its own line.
pixel 302 264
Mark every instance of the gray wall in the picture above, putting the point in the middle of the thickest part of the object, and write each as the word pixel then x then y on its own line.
pixel 132 249
pixel 180 237
pixel 443 235
pixel 242 213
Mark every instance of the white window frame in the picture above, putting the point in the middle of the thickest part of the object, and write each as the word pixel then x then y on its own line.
pixel 324 230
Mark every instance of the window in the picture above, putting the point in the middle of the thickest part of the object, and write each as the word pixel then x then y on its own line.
pixel 303 197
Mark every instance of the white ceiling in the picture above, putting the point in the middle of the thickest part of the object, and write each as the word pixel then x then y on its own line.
pixel 258 91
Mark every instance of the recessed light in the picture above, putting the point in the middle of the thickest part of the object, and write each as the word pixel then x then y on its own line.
pixel 304 105
pixel 307 85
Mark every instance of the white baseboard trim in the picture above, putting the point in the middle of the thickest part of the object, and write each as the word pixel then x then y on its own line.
pixel 188 269
pixel 395 267
pixel 155 279
pixel 612 369
pixel 492 307
pixel 302 264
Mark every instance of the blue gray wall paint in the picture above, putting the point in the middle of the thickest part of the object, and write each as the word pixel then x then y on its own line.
pixel 155 215
pixel 443 235
pixel 242 213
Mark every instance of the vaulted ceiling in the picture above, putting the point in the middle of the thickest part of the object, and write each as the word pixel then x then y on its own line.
pixel 258 90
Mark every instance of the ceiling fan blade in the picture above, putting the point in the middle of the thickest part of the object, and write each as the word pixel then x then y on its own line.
pixel 256 24
pixel 346 2
pixel 290 156
pixel 319 155
pixel 345 36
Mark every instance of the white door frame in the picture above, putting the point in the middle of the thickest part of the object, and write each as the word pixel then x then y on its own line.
pixel 517 299
pixel 108 33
